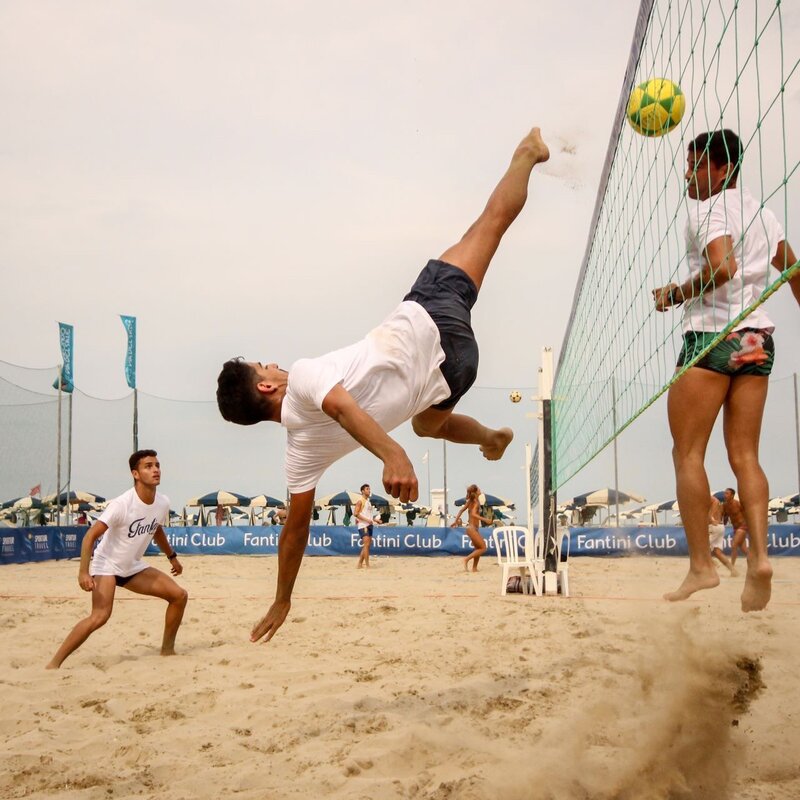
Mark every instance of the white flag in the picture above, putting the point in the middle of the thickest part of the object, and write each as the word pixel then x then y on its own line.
pixel 425 458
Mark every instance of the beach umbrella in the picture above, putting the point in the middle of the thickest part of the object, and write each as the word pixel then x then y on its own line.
pixel 76 496
pixel 220 498
pixel 339 499
pixel 668 505
pixel 266 501
pixel 606 497
pixel 490 500
pixel 23 503
pixel 378 501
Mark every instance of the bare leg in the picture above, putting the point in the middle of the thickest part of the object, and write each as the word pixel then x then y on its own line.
pixel 724 560
pixel 102 603
pixel 363 558
pixel 744 409
pixel 480 548
pixel 461 429
pixel 475 250
pixel 693 404
pixel 739 543
pixel 155 583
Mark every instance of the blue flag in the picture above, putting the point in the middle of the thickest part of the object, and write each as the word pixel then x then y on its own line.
pixel 66 337
pixel 130 355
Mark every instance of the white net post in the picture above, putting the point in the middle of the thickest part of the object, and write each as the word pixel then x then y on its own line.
pixel 547 500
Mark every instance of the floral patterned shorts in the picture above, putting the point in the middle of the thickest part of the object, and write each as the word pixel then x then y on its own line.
pixel 748 351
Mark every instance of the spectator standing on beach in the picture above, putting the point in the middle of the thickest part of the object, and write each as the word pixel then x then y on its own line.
pixel 365 522
pixel 716 535
pixel 125 528
pixel 472 505
pixel 733 513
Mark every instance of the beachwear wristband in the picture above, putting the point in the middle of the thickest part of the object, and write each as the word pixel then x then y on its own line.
pixel 174 555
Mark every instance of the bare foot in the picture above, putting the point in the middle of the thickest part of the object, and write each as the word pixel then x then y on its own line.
pixel 474 569
pixel 693 582
pixel 499 440
pixel 168 652
pixel 51 665
pixel 466 565
pixel 757 586
pixel 533 146
pixel 734 572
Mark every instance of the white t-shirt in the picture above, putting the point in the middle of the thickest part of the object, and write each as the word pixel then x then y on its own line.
pixel 756 233
pixel 392 374
pixel 131 525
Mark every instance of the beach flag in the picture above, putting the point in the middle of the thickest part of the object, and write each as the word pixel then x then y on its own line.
pixel 130 355
pixel 66 336
pixel 35 490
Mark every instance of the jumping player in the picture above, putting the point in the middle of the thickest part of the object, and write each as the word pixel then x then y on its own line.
pixel 416 365
pixel 729 261
pixel 128 524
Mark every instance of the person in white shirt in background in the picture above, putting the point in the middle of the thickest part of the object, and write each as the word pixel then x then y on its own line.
pixel 365 521
pixel 716 535
pixel 732 240
pixel 127 526
pixel 416 365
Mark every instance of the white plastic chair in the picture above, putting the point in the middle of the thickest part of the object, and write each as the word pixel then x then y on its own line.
pixel 562 554
pixel 506 543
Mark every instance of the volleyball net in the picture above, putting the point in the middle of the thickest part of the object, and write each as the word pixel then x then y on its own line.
pixel 737 66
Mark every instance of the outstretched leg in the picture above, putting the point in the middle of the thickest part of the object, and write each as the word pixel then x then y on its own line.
pixel 693 405
pixel 476 248
pixel 155 583
pixel 102 602
pixel 744 409
pixel 437 423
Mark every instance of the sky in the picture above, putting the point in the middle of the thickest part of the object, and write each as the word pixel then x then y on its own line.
pixel 267 178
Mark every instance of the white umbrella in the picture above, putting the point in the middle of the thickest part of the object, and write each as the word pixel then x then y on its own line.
pixel 606 497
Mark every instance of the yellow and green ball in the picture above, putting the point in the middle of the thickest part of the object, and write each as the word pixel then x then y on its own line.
pixel 656 107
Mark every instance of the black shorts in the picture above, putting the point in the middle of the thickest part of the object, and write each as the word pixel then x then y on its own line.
pixel 366 531
pixel 122 581
pixel 447 293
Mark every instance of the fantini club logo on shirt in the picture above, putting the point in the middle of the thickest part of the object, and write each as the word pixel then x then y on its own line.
pixel 139 528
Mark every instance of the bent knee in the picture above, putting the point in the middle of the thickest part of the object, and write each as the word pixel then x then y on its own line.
pixel 426 426
pixel 180 598
pixel 97 620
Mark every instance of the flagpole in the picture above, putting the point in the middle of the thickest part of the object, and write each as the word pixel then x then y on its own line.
pixel 444 451
pixel 135 420
pixel 69 461
pixel 428 464
pixel 58 451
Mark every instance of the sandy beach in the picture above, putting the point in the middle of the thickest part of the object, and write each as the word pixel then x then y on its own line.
pixel 410 680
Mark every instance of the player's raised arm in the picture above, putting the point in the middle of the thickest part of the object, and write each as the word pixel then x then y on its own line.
pixel 292 545
pixel 398 473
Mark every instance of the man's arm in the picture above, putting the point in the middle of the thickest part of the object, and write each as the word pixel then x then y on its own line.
pixel 160 538
pixel 784 259
pixel 398 473
pixel 719 268
pixel 291 546
pixel 85 580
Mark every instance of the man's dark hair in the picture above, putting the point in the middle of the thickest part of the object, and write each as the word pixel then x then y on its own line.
pixel 364 487
pixel 723 146
pixel 732 491
pixel 133 461
pixel 238 398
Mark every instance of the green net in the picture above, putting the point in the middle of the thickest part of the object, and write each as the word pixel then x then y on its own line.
pixel 736 70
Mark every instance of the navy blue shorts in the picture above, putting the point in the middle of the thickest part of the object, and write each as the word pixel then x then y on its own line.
pixel 366 531
pixel 447 293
